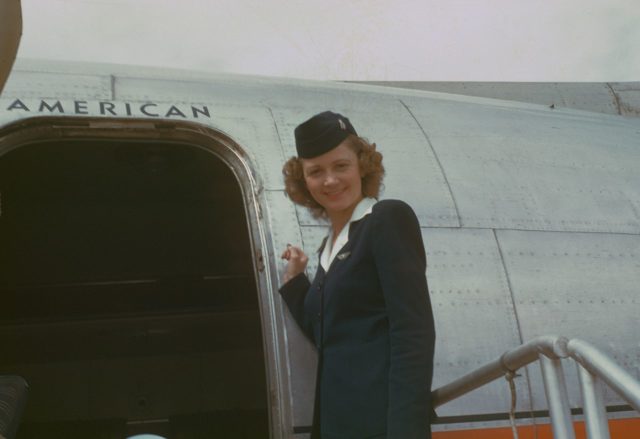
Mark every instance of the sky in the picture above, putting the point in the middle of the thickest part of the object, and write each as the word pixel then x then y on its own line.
pixel 368 40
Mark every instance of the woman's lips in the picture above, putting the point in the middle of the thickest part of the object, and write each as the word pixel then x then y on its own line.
pixel 334 194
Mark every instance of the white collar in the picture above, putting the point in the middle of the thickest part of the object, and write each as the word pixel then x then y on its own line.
pixel 329 252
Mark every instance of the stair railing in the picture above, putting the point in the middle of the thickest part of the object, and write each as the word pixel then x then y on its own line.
pixel 594 367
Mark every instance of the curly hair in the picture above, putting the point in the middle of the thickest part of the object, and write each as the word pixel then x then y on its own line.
pixel 371 169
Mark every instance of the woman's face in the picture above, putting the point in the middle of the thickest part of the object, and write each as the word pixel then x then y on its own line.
pixel 334 179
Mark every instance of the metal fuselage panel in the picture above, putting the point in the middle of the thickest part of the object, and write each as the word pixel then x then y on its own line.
pixel 530 216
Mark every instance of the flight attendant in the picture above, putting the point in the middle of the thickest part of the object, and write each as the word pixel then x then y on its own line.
pixel 367 309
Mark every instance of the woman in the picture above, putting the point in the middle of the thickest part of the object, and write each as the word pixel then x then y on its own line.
pixel 367 309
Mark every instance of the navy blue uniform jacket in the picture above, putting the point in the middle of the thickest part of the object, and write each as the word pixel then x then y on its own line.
pixel 371 320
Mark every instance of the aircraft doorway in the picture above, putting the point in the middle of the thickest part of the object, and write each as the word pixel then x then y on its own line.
pixel 129 297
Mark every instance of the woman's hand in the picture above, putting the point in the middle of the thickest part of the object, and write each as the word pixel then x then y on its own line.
pixel 297 262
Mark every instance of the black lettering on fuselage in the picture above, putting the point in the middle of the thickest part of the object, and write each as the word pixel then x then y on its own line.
pixel 143 109
pixel 204 111
pixel 57 106
pixel 173 111
pixel 17 105
pixel 107 106
pixel 80 107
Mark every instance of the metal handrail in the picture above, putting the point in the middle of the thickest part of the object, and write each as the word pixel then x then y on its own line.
pixel 602 366
pixel 593 366
pixel 510 361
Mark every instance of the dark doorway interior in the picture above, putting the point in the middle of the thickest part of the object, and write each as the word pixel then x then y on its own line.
pixel 128 296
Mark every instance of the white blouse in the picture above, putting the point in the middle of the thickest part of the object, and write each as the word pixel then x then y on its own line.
pixel 329 252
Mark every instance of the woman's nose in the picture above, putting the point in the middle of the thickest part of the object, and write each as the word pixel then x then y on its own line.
pixel 329 179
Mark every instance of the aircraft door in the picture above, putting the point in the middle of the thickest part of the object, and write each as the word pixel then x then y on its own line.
pixel 130 302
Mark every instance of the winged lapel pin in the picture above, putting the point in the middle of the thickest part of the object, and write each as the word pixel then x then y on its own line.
pixel 343 256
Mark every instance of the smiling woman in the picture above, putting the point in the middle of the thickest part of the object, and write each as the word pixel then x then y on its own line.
pixel 367 310
pixel 369 163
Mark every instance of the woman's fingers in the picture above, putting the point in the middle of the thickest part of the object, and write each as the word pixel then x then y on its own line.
pixel 296 253
pixel 286 254
pixel 296 258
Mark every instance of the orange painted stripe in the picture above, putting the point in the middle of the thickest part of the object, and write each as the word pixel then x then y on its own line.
pixel 618 428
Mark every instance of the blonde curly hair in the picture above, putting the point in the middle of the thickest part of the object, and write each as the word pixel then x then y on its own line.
pixel 371 169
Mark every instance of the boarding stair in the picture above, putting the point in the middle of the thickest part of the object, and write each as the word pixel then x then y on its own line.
pixel 594 369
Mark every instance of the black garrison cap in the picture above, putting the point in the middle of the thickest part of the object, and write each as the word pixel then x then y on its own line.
pixel 321 134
